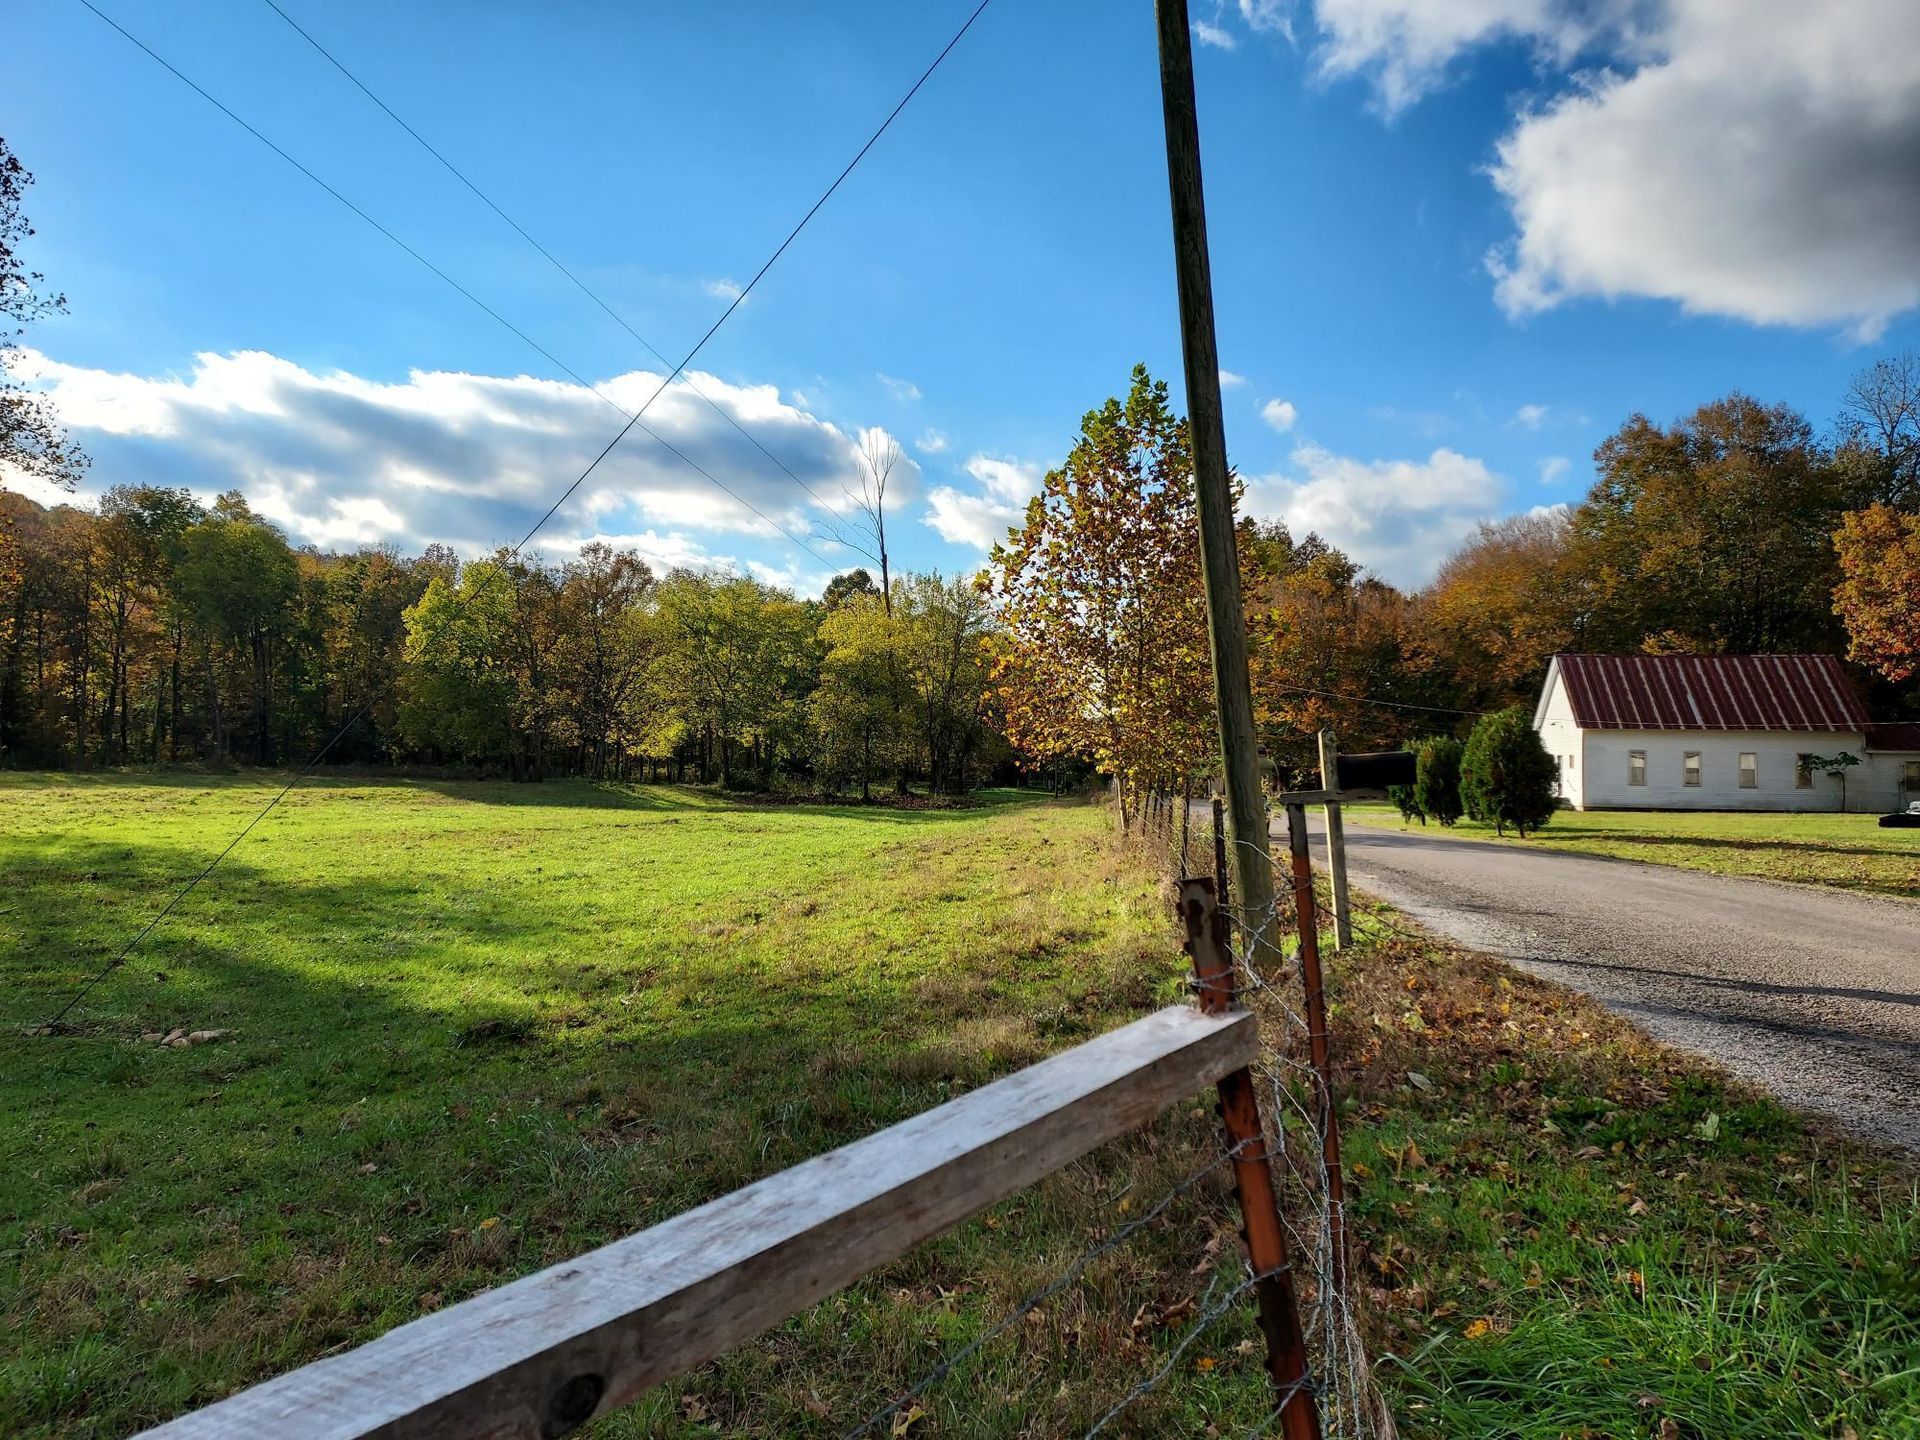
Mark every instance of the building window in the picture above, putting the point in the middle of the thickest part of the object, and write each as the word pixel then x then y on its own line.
pixel 1571 758
pixel 1691 768
pixel 1636 767
pixel 1910 775
pixel 1749 770
pixel 1803 771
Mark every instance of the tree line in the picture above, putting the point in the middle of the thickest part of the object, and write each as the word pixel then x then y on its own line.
pixel 152 629
pixel 1736 529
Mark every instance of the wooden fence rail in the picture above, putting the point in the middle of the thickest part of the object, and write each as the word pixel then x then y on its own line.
pixel 542 1355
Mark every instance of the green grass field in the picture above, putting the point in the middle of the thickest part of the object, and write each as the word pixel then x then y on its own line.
pixel 1849 852
pixel 476 1029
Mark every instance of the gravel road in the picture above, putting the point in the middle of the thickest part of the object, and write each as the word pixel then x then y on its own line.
pixel 1813 994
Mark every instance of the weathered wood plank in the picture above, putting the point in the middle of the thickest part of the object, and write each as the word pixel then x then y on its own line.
pixel 543 1354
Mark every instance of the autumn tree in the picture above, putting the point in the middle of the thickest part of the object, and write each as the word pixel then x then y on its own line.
pixel 605 641
pixel 1710 534
pixel 1880 432
pixel 946 666
pixel 31 438
pixel 1104 650
pixel 856 709
pixel 1500 607
pixel 1878 597
pixel 238 580
pixel 1330 645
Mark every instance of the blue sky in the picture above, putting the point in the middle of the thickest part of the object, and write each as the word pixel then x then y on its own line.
pixel 1454 245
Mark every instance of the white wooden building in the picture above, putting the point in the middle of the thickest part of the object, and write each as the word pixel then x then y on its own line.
pixel 1718 732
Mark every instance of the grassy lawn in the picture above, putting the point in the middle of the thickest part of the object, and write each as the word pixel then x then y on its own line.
pixel 1849 852
pixel 478 1028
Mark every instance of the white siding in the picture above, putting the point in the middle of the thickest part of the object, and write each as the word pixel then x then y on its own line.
pixel 1880 782
pixel 1554 720
pixel 1605 787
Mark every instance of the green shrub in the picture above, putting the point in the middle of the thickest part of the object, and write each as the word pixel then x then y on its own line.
pixel 1506 775
pixel 1436 785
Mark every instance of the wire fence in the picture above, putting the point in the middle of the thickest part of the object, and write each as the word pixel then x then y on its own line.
pixel 1276 973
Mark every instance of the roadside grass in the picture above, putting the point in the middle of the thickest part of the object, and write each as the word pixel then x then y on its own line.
pixel 1847 852
pixel 479 1028
pixel 1569 1230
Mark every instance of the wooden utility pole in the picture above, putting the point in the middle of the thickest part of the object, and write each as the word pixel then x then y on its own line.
pixel 1252 867
pixel 1336 840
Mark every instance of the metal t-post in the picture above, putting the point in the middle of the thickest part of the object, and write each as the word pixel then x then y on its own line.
pixel 1266 1236
pixel 1336 840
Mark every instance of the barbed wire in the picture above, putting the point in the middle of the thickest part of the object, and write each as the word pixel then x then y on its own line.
pixel 1074 1270
pixel 1268 975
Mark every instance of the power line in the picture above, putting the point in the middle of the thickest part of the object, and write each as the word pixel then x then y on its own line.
pixel 1370 700
pixel 470 296
pixel 551 259
pixel 634 420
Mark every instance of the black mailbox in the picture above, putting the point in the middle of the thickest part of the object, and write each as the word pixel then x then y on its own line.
pixel 1375 771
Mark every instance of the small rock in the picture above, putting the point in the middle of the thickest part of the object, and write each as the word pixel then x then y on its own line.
pixel 1420 1082
pixel 172 1036
pixel 202 1037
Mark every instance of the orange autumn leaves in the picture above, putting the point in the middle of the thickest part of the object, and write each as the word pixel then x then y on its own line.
pixel 1104 650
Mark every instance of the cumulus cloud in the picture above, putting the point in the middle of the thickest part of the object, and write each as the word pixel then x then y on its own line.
pixel 1530 417
pixel 1760 166
pixel 1280 414
pixel 1231 381
pixel 932 442
pixel 1753 159
pixel 982 517
pixel 469 460
pixel 1399 518
pixel 721 289
pixel 1405 47
pixel 1554 469
pixel 898 388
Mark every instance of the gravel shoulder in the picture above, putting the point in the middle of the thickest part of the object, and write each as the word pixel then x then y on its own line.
pixel 1813 995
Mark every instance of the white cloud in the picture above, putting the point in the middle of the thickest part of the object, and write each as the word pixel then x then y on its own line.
pixel 722 289
pixel 1217 36
pixel 1280 414
pixel 1753 159
pixel 932 442
pixel 1399 518
pixel 1760 165
pixel 982 518
pixel 904 390
pixel 1554 469
pixel 1231 381
pixel 1405 46
pixel 1530 417
pixel 471 460
pixel 1267 17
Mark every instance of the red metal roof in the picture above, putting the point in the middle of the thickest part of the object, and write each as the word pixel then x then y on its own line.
pixel 1710 692
pixel 1893 735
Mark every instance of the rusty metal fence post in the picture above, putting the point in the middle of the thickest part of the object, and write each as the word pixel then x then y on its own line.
pixel 1316 1007
pixel 1207 943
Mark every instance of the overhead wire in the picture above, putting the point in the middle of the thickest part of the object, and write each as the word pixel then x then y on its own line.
pixel 553 260
pixel 126 950
pixel 482 305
